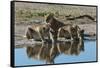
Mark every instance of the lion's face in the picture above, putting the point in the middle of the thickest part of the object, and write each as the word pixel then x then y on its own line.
pixel 74 32
pixel 46 28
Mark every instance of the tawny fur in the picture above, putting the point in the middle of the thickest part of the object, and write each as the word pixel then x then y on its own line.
pixel 41 30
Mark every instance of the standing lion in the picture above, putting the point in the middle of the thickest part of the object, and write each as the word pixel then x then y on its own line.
pixel 54 24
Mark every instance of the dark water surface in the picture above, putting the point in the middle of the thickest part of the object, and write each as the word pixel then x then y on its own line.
pixel 55 53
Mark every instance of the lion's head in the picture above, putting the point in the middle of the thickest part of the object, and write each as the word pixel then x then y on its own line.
pixel 48 17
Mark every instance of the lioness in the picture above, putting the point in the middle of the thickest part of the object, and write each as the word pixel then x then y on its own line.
pixel 54 24
pixel 38 32
pixel 70 32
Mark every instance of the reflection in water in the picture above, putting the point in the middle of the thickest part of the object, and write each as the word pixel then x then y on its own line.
pixel 48 52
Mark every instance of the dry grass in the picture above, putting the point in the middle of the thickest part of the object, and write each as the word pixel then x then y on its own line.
pixel 31 11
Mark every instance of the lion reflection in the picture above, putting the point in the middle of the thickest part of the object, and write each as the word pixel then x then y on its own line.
pixel 48 52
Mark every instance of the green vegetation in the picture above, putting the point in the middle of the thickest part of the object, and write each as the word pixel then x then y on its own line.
pixel 27 15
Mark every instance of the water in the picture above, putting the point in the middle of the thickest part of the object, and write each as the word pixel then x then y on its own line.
pixel 56 53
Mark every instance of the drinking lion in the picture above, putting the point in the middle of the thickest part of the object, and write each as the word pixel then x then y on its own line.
pixel 70 31
pixel 38 32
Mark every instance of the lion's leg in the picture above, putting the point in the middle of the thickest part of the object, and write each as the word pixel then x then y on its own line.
pixel 79 37
pixel 51 37
pixel 58 35
pixel 70 33
pixel 55 36
pixel 41 36
pixel 52 32
pixel 71 37
pixel 79 32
